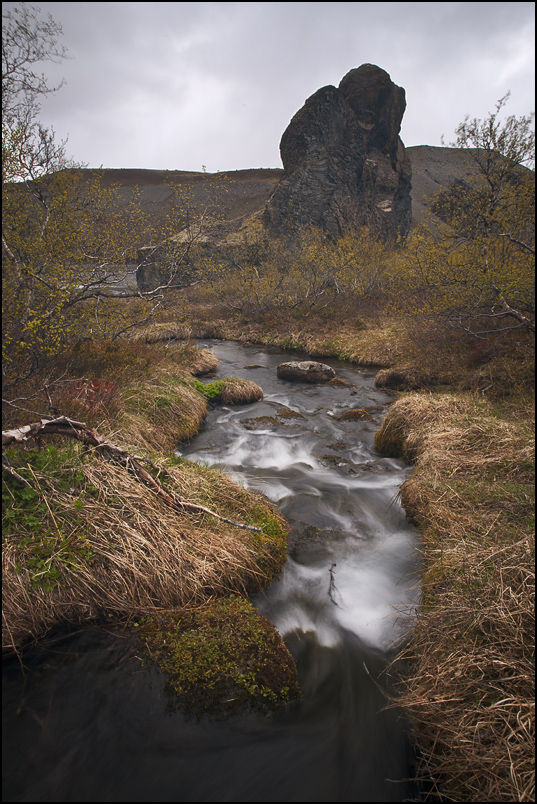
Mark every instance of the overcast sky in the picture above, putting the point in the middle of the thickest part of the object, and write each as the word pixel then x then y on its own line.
pixel 186 85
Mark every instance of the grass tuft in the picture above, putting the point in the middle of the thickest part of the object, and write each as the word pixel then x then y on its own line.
pixel 87 542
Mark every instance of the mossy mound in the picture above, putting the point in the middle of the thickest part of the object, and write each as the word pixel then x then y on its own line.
pixel 230 391
pixel 240 392
pixel 404 379
pixel 85 541
pixel 221 658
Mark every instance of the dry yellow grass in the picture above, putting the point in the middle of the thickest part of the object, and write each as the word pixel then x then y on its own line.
pixel 107 548
pixel 470 688
pixel 157 416
pixel 156 332
pixel 236 391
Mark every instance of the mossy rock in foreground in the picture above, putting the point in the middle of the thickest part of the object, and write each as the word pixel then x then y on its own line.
pixel 221 658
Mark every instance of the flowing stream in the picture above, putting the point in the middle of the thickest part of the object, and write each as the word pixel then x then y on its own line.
pixel 84 723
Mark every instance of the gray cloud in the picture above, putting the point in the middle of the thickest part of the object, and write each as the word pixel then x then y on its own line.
pixel 181 85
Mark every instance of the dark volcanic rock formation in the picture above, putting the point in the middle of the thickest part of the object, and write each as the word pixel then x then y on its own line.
pixel 345 165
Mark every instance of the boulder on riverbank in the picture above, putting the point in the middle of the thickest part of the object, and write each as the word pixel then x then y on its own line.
pixel 305 371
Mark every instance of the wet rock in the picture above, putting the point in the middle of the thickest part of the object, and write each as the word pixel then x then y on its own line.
pixel 337 383
pixel 260 422
pixel 356 414
pixel 337 445
pixel 305 371
pixel 289 413
pixel 333 460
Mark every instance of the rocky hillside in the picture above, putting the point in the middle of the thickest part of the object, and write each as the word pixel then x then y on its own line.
pixel 241 193
pixel 344 167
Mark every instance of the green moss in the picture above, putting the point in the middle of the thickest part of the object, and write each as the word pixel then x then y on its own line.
pixel 220 658
pixel 212 391
pixel 289 343
pixel 46 545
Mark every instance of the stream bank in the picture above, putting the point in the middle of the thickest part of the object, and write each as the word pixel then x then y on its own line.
pixel 94 727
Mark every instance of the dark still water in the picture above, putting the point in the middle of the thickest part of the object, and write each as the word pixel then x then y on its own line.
pixel 85 722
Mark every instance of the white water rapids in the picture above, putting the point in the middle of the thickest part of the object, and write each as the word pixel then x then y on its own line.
pixel 353 563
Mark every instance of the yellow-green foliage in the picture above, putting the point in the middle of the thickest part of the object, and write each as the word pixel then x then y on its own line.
pixel 65 237
pixel 470 283
pixel 475 270
pixel 67 240
pixel 263 274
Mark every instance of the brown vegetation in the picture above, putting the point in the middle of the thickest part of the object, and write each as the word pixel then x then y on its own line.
pixel 85 541
pixel 470 684
pixel 102 546
pixel 108 547
pixel 240 392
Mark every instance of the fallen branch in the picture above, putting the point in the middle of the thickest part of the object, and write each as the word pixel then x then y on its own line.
pixel 9 469
pixel 109 451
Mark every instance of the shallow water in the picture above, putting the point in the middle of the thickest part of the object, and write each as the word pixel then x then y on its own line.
pixel 87 723
pixel 339 495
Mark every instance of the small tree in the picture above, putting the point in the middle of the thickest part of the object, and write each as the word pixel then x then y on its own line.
pixel 66 240
pixel 28 148
pixel 476 272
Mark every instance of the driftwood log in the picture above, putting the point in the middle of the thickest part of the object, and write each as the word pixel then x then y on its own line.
pixel 107 450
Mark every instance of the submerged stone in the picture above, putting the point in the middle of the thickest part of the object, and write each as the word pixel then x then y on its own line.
pixel 356 414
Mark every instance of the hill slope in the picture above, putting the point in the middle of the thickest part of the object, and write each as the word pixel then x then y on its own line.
pixel 241 193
